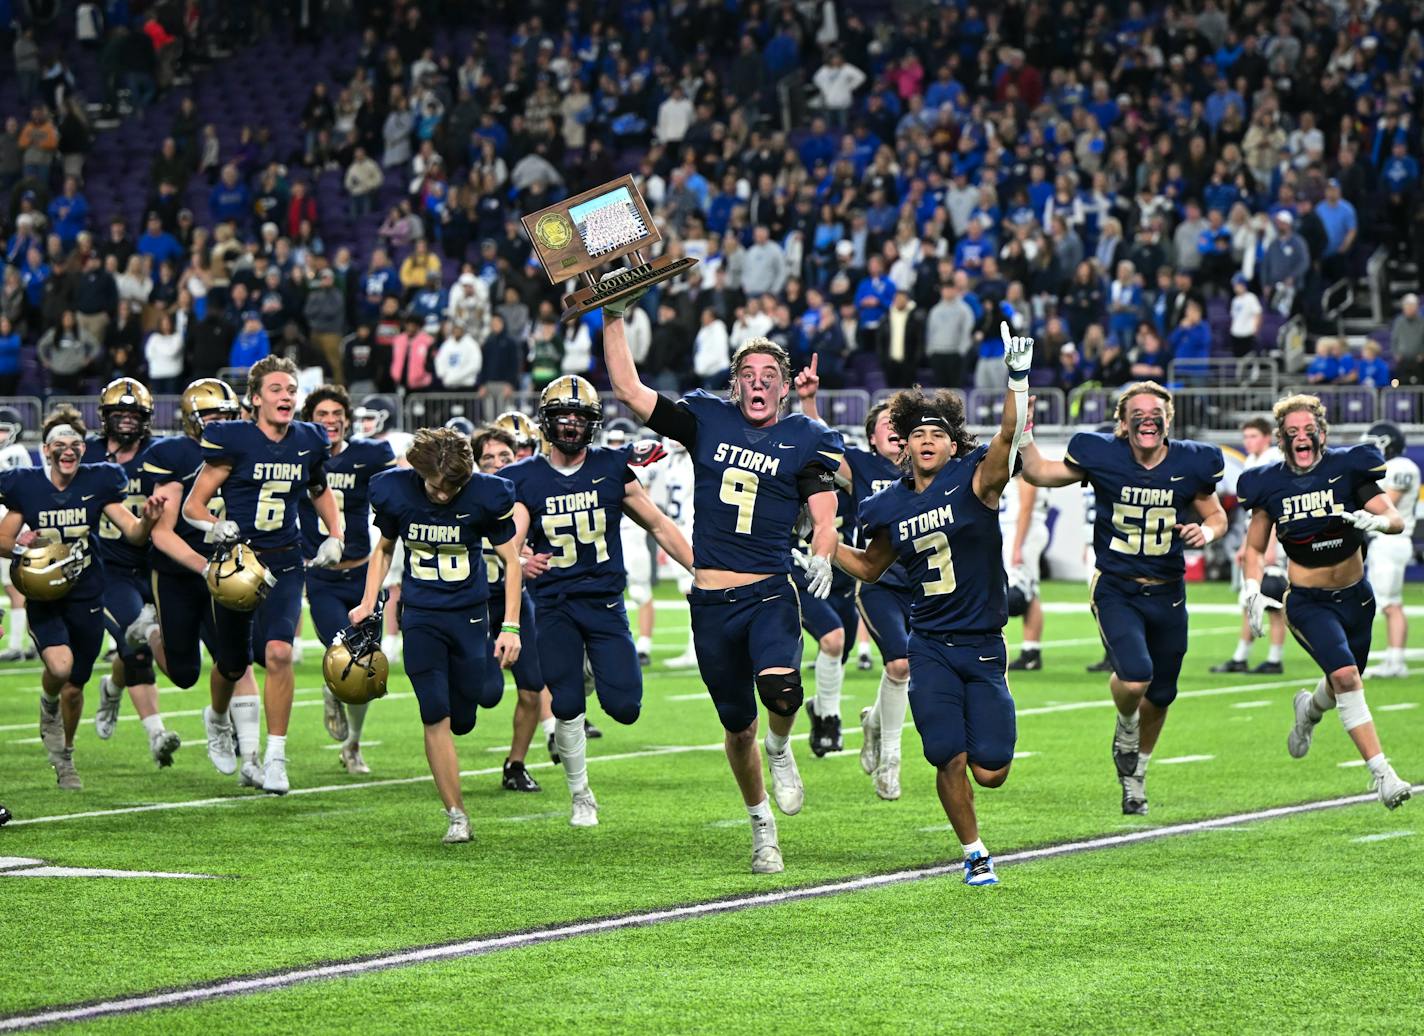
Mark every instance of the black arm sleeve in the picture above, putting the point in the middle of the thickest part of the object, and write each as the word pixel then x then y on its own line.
pixel 673 421
pixel 316 483
pixel 815 479
pixel 1367 491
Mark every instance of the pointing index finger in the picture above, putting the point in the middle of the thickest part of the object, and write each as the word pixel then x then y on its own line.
pixel 1005 333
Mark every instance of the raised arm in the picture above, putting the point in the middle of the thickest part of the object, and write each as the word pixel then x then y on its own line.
pixel 622 371
pixel 808 382
pixel 1038 470
pixel 640 507
pixel 996 469
pixel 867 565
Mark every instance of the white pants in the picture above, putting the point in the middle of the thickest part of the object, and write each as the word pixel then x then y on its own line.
pixel 637 562
pixel 1034 544
pixel 1388 557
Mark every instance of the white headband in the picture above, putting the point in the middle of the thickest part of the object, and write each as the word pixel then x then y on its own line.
pixel 62 431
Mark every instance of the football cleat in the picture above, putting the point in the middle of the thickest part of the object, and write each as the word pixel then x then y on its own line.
pixel 1298 741
pixel 820 738
pixel 163 744
pixel 585 810
pixel 106 716
pixel 1134 796
pixel 351 759
pixel 459 829
pixel 1268 669
pixel 979 870
pixel 65 773
pixel 835 742
pixel 786 786
pixel 250 776
pixel 766 853
pixel 1231 665
pixel 5 816
pixel 333 714
pixel 274 777
pixel 1028 661
pixel 1386 671
pixel 645 659
pixel 1124 748
pixel 887 778
pixel 686 660
pixel 222 745
pixel 590 731
pixel 51 731
pixel 869 741
pixel 142 628
pixel 862 659
pixel 518 778
pixel 1105 666
pixel 553 747
pixel 1393 790
pixel 11 655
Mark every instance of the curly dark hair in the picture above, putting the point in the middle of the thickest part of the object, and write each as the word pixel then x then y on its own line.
pixel 909 406
pixel 323 394
pixel 489 433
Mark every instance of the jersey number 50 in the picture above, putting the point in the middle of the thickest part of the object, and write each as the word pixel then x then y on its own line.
pixel 1143 530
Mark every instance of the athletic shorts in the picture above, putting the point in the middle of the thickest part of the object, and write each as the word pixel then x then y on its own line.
pixel 528 673
pixel 1144 628
pixel 331 596
pixel 241 638
pixel 886 611
pixel 1388 557
pixel 1334 626
pixel 75 621
pixel 740 632
pixel 960 700
pixel 126 591
pixel 446 656
pixel 186 618
pixel 571 628
pixel 835 612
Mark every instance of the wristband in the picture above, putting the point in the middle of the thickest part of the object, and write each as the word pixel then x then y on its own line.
pixel 1208 534
pixel 510 627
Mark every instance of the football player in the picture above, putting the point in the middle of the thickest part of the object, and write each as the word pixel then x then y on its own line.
pixel 494 451
pixel 831 622
pixel 637 558
pixel 753 470
pixel 1256 437
pixel 14 454
pixel 262 466
pixel 1153 497
pixel 1322 502
pixel 378 417
pixel 885 603
pixel 671 490
pixel 942 521
pixel 442 509
pixel 571 504
pixel 187 613
pixel 1388 556
pixel 1023 513
pixel 126 409
pixel 64 579
pixel 333 591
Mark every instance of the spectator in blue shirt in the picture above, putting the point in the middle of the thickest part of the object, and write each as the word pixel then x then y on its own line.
pixel 973 248
pixel 1324 369
pixel 819 145
pixel 158 243
pixel 1219 101
pixel 251 343
pixel 229 201
pixel 69 212
pixel 873 294
pixel 1191 342
pixel 1400 174
pixel 1340 221
pixel 1374 368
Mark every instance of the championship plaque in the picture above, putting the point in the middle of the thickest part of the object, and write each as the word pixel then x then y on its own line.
pixel 577 236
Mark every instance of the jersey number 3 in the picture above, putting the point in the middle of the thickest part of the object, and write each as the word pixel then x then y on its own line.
pixel 940 563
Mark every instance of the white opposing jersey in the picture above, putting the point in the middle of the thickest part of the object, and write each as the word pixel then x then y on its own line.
pixel 672 487
pixel 1401 475
pixel 1009 505
pixel 15 456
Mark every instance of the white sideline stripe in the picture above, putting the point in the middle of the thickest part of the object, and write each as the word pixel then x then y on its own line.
pixel 390 782
pixel 1251 704
pixel 1350 764
pixel 1399 706
pixel 238 986
pixel 131 717
pixel 1184 759
pixel 1382 836
pixel 339 747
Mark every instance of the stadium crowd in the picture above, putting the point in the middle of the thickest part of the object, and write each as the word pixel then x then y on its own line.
pixel 1134 184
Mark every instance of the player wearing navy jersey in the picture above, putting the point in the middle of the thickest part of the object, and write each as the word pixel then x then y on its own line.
pixel 262 467
pixel 332 592
pixel 941 520
pixel 443 510
pixel 1322 502
pixel 831 622
pixel 1153 497
pixel 65 505
pixel 187 613
pixel 571 505
pixel 885 604
pixel 753 470
pixel 125 409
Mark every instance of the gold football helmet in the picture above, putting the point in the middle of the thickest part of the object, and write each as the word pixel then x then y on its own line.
pixel 527 435
pixel 125 396
pixel 570 394
pixel 237 579
pixel 48 568
pixel 354 665
pixel 206 396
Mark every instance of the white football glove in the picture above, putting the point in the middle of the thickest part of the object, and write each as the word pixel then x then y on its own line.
pixel 1367 522
pixel 1256 604
pixel 329 553
pixel 1018 353
pixel 818 573
pixel 223 532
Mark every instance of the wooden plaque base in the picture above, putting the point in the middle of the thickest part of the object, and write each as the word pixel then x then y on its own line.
pixel 624 283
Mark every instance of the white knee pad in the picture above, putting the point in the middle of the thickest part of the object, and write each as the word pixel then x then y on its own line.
pixel 1353 710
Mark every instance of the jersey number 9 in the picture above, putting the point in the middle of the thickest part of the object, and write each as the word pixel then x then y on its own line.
pixel 739 488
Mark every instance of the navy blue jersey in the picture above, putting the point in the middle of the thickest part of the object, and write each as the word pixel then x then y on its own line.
pixel 267 478
pixel 348 476
pixel 575 519
pixel 749 482
pixel 73 512
pixel 950 543
pixel 1136 508
pixel 1308 509
pixel 869 474
pixel 847 529
pixel 443 567
pixel 177 459
pixel 113 548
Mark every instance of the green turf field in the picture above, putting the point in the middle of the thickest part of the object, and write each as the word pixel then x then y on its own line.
pixel 1308 921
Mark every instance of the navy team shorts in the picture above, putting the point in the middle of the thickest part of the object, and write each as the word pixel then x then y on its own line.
pixel 446 656
pixel 1144 628
pixel 741 632
pixel 528 673
pixel 126 591
pixel 886 612
pixel 331 596
pixel 1334 626
pixel 572 627
pixel 960 700
pixel 836 612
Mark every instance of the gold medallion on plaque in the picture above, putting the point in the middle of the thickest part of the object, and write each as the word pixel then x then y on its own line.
pixel 554 230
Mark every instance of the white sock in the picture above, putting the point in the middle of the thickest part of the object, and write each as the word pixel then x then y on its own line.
pixel 19 629
pixel 276 746
pixel 572 745
pixel 1394 656
pixel 221 719
pixel 297 651
pixel 1242 652
pixel 153 724
pixel 1321 701
pixel 830 674
pixel 1030 645
pixel 246 715
pixel 1275 653
pixel 777 743
pixel 976 846
pixel 1378 764
pixel 1143 758
pixel 862 649
pixel 356 720
pixel 390 644
pixel 49 701
pixel 891 702
pixel 645 645
pixel 547 725
pixel 760 812
pixel 1129 722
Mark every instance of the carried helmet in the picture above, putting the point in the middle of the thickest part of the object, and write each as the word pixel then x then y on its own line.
pixel 12 425
pixel 463 425
pixel 125 396
pixel 374 415
pixel 238 579
pixel 570 394
pixel 1388 437
pixel 1021 591
pixel 1274 586
pixel 527 435
pixel 48 568
pixel 354 665
pixel 207 396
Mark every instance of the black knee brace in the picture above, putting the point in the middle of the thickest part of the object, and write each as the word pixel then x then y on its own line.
pixel 780 692
pixel 138 670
